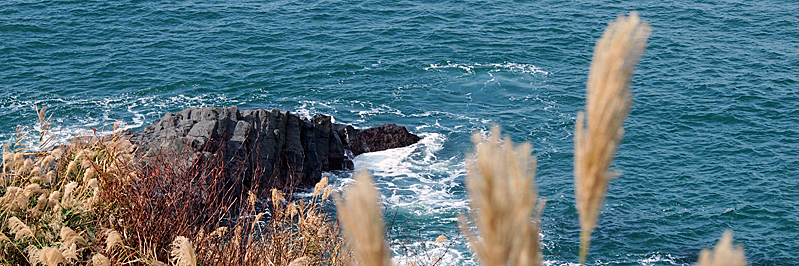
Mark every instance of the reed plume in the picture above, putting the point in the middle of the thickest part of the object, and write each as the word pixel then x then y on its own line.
pixel 19 229
pixel 112 240
pixel 301 261
pixel 100 260
pixel 359 213
pixel 69 237
pixel 608 102
pixel 724 254
pixel 503 196
pixel 50 256
pixel 70 252
pixel 183 252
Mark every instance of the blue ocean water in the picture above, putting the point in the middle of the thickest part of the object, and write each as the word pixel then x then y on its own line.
pixel 711 144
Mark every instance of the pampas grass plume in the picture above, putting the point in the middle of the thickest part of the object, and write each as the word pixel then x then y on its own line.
pixel 69 237
pixel 112 239
pixel 70 252
pixel 320 186
pixel 71 167
pixel 327 193
pixel 359 213
pixel 50 256
pixel 19 229
pixel 89 174
pixel 183 252
pixel 724 254
pixel 608 102
pixel 277 197
pixel 100 260
pixel 301 261
pixel 500 182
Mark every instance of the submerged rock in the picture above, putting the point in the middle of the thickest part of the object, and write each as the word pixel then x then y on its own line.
pixel 267 148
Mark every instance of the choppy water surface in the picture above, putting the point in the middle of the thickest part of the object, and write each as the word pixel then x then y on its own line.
pixel 712 142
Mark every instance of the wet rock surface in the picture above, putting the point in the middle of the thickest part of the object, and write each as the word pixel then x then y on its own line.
pixel 268 148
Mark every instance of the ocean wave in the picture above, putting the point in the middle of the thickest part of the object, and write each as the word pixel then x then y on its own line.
pixel 491 67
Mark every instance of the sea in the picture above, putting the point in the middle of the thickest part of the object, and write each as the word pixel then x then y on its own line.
pixel 711 143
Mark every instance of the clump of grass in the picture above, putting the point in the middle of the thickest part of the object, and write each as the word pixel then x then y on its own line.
pixel 168 200
pixel 52 212
pixel 91 202
pixel 608 102
pixel 503 196
pixel 359 213
pixel 724 254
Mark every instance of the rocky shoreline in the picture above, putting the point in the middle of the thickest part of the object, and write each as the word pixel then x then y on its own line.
pixel 266 148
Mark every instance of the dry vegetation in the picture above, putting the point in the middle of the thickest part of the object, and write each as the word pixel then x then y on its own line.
pixel 90 203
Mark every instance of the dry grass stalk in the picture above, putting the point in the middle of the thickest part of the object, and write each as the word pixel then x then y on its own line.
pixel 503 196
pixel 183 252
pixel 724 254
pixel 359 213
pixel 608 103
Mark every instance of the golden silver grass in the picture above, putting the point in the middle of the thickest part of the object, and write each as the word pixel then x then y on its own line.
pixel 41 203
pixel 89 174
pixel 112 239
pixel 67 199
pixel 183 252
pixel 71 167
pixel 54 199
pixel 277 197
pixel 36 172
pixel 608 102
pixel 724 254
pixel 220 231
pixel 70 252
pixel 291 210
pixel 69 237
pixel 301 261
pixel 359 213
pixel 19 229
pixel 252 198
pixel 14 199
pixel 100 260
pixel 320 186
pixel 50 256
pixel 328 191
pixel 503 197
pixel 7 159
pixel 31 190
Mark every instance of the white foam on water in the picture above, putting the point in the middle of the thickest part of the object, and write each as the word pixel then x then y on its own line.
pixel 660 259
pixel 427 252
pixel 413 179
pixel 491 68
pixel 126 111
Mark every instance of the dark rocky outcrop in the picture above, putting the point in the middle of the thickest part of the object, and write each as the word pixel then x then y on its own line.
pixel 270 148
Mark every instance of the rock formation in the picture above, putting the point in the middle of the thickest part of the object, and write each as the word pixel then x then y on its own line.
pixel 268 148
